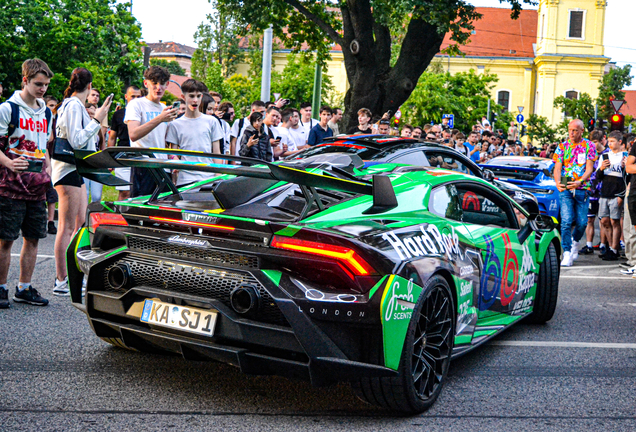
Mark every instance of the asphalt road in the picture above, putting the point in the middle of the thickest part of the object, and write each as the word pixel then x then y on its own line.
pixel 56 375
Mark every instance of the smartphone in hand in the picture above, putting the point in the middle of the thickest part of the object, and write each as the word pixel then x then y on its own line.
pixel 176 104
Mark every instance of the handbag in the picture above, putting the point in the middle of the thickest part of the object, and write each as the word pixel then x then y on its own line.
pixel 63 151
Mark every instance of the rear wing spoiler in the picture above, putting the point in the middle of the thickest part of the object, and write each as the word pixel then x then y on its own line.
pixel 95 166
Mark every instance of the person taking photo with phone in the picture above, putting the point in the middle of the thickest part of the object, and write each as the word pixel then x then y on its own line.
pixel 147 119
pixel 574 164
pixel 74 125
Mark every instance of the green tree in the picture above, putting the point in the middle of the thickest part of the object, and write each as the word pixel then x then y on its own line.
pixel 464 94
pixel 612 86
pixel 369 32
pixel 581 108
pixel 218 42
pixel 99 34
pixel 296 81
pixel 539 129
pixel 173 66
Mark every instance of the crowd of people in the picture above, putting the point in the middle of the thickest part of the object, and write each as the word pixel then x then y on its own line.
pixel 38 135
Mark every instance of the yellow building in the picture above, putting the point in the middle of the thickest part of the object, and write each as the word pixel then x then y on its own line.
pixel 556 50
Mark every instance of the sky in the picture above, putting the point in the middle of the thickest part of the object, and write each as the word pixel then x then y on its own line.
pixel 186 15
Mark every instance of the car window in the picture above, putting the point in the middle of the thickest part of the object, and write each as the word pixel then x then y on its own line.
pixel 483 206
pixel 412 158
pixel 447 161
pixel 444 202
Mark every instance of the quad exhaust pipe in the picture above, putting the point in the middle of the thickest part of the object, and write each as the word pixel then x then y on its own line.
pixel 245 300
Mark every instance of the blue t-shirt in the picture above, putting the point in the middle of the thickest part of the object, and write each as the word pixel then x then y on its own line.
pixel 317 134
pixel 475 156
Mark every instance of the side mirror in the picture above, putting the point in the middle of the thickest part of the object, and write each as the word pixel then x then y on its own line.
pixel 537 223
pixel 488 175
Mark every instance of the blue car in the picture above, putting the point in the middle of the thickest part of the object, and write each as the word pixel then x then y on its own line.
pixel 532 174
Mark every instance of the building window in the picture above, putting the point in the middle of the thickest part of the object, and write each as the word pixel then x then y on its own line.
pixel 503 99
pixel 570 94
pixel 577 24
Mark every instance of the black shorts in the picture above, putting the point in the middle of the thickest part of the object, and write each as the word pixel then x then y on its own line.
pixel 22 215
pixel 51 195
pixel 70 179
pixel 592 209
pixel 631 205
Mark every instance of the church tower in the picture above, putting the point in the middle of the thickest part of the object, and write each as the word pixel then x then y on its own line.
pixel 570 56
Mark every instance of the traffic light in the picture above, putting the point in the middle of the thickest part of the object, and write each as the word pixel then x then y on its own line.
pixel 396 122
pixel 600 124
pixel 617 122
pixel 591 124
pixel 493 118
pixel 523 130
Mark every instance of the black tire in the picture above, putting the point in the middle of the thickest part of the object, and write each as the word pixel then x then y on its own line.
pixel 545 298
pixel 425 356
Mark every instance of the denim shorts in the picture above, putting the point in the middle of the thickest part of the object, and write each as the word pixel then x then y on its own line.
pixel 22 215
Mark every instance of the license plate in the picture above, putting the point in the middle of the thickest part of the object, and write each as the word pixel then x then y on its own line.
pixel 183 318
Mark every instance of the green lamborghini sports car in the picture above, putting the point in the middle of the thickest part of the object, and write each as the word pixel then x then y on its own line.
pixel 316 269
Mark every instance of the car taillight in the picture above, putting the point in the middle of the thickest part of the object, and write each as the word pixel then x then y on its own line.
pixel 346 257
pixel 113 219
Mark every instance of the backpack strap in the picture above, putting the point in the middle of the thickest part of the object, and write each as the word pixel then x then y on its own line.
pixel 15 118
pixel 241 122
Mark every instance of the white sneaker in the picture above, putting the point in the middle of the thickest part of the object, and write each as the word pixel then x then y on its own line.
pixel 61 288
pixel 575 250
pixel 629 271
pixel 567 260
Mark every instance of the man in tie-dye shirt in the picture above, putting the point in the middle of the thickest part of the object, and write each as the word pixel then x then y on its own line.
pixel 574 163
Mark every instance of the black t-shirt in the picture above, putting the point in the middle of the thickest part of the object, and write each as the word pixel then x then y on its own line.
pixel 356 130
pixel 120 128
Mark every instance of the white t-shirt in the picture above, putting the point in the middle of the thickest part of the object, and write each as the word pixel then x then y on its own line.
pixel 143 110
pixel 195 134
pixel 307 127
pixel 297 138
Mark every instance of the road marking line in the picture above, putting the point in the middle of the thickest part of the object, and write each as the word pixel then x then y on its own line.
pixel 595 277
pixel 39 255
pixel 590 267
pixel 564 344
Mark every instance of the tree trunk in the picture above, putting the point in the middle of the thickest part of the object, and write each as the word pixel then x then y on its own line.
pixel 367 52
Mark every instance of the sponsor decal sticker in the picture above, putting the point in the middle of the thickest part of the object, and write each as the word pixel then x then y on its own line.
pixel 195 217
pixel 430 241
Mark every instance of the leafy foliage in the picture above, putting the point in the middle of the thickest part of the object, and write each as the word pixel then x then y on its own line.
pixel 611 87
pixel 295 82
pixel 581 108
pixel 539 129
pixel 464 94
pixel 173 66
pixel 98 34
pixel 387 44
pixel 218 42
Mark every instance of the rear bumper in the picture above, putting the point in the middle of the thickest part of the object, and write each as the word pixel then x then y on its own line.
pixel 299 346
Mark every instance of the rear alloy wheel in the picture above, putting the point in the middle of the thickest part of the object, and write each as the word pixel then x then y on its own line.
pixel 425 356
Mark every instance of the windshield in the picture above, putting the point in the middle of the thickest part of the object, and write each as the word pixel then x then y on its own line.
pixel 534 163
